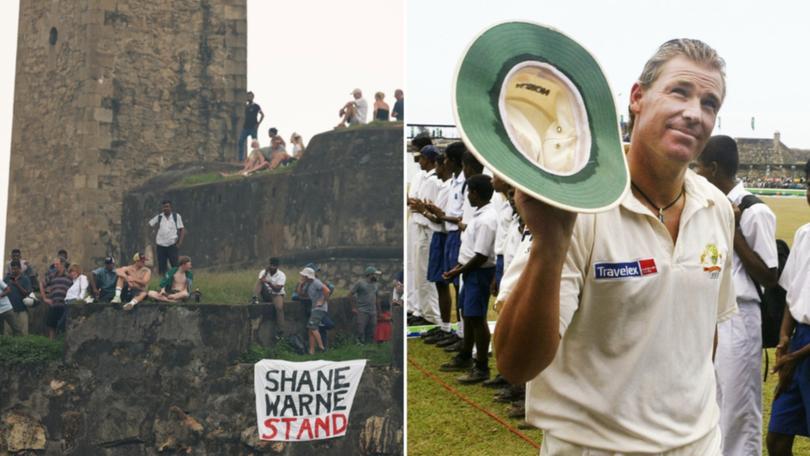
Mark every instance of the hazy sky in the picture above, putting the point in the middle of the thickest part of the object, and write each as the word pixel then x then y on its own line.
pixel 304 57
pixel 764 45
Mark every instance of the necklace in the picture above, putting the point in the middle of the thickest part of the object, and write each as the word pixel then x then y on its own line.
pixel 659 209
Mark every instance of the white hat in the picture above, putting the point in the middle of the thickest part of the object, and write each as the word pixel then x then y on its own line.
pixel 308 273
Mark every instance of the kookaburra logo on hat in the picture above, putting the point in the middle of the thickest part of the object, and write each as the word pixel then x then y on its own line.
pixel 534 107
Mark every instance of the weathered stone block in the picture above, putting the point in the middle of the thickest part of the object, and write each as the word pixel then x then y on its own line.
pixel 23 433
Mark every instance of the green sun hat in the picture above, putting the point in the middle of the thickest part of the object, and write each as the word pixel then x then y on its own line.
pixel 535 107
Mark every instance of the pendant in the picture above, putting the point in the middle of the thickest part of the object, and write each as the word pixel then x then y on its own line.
pixel 661 215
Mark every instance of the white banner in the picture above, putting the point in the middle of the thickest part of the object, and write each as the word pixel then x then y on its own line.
pixel 305 401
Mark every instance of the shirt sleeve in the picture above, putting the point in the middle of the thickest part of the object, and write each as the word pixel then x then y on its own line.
pixel 575 268
pixel 180 222
pixel 514 270
pixel 791 274
pixel 484 243
pixel 154 220
pixel 727 299
pixel 83 285
pixel 758 225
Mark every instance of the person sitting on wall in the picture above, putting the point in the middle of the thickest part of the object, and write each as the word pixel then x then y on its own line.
pixel 80 289
pixel 175 285
pixel 270 288
pixel 381 108
pixel 353 112
pixel 135 277
pixel 398 112
pixel 298 146
pixel 103 280
pixel 254 162
pixel 278 152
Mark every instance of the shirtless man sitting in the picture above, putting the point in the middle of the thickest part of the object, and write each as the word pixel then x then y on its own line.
pixel 136 276
pixel 175 284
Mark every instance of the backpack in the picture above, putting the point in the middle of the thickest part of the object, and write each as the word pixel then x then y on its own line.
pixel 174 216
pixel 772 300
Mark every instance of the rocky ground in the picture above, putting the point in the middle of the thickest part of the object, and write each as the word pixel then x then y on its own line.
pixel 166 380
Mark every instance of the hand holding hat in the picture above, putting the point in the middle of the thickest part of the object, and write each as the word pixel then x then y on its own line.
pixel 534 106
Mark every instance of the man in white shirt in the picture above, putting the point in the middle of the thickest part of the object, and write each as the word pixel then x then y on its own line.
pixel 504 208
pixel 426 295
pixel 739 339
pixel 412 247
pixel 790 413
pixel 170 235
pixel 447 209
pixel 270 288
pixel 613 319
pixel 476 265
pixel 354 112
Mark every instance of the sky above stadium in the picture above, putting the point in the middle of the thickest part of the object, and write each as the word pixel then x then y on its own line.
pixel 304 59
pixel 762 43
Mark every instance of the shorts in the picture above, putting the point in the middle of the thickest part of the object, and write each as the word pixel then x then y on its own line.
pixel 134 292
pixel 498 270
pixel 55 317
pixel 268 294
pixel 436 258
pixel 474 296
pixel 315 318
pixel 451 246
pixel 789 413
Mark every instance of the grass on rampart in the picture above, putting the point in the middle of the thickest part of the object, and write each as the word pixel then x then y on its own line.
pixel 212 176
pixel 344 350
pixel 28 350
pixel 235 287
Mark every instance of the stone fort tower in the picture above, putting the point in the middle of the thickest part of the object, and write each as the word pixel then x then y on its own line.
pixel 109 93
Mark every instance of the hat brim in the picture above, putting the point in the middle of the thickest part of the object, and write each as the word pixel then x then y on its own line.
pixel 605 178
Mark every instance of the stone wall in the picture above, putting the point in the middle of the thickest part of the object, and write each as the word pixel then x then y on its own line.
pixel 340 206
pixel 167 379
pixel 109 93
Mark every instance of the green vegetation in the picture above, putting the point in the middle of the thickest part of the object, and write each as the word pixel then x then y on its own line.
pixel 376 354
pixel 235 287
pixel 27 350
pixel 440 423
pixel 211 177
pixel 791 213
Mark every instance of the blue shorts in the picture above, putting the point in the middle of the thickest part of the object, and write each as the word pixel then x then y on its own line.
pixel 474 296
pixel 451 246
pixel 436 258
pixel 498 269
pixel 789 413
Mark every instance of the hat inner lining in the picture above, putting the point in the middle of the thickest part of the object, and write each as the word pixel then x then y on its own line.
pixel 545 118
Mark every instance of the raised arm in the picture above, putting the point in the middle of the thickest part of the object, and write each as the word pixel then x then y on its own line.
pixel 528 331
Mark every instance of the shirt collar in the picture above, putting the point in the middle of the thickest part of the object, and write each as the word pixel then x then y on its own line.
pixel 736 193
pixel 483 208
